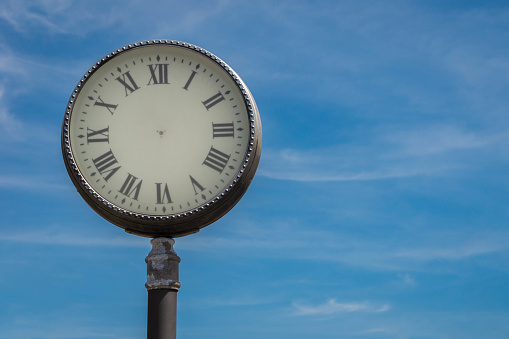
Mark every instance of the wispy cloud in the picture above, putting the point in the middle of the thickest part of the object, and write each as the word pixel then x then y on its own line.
pixel 233 299
pixel 437 139
pixel 22 12
pixel 10 127
pixel 483 243
pixel 332 306
pixel 17 80
pixel 54 235
pixel 286 241
pixel 376 331
pixel 30 182
pixel 393 154
pixel 407 280
pixel 25 15
pixel 12 64
pixel 61 17
pixel 191 20
pixel 62 324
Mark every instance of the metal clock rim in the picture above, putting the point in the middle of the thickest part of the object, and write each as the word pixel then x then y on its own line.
pixel 70 160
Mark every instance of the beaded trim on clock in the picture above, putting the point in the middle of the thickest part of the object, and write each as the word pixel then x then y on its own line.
pixel 206 53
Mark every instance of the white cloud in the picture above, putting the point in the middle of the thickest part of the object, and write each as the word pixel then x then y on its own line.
pixel 293 241
pixel 232 300
pixel 395 153
pixel 432 250
pixel 12 64
pixel 64 323
pixel 482 243
pixel 54 235
pixel 76 19
pixel 377 330
pixel 437 139
pixel 333 307
pixel 10 127
pixel 407 280
pixel 30 182
pixel 22 14
pixel 190 20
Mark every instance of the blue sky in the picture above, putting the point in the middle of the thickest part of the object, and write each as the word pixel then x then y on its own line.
pixel 379 209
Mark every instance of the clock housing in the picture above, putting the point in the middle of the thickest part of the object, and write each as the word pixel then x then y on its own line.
pixel 161 138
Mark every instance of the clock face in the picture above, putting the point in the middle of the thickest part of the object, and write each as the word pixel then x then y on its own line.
pixel 159 130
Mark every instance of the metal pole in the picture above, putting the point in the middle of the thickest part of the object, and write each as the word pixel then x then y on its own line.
pixel 162 286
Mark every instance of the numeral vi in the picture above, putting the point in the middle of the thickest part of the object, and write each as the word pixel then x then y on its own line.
pixel 163 194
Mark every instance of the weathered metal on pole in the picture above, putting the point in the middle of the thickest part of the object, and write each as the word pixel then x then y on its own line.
pixel 162 286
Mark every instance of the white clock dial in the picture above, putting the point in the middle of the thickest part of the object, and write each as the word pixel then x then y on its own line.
pixel 160 130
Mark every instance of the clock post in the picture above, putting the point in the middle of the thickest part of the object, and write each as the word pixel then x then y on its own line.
pixel 161 138
pixel 162 286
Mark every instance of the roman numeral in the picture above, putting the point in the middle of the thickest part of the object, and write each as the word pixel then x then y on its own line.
pixel 189 80
pixel 101 135
pixel 158 74
pixel 222 130
pixel 104 164
pixel 131 86
pixel 216 160
pixel 163 194
pixel 213 100
pixel 196 184
pixel 110 107
pixel 129 187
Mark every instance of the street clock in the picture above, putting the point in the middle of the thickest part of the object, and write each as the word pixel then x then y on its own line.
pixel 161 138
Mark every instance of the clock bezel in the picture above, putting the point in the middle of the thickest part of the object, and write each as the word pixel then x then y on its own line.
pixel 178 224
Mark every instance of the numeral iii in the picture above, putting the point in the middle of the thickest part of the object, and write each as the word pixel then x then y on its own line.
pixel 222 130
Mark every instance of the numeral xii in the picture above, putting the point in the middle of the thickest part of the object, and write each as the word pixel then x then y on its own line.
pixel 158 74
